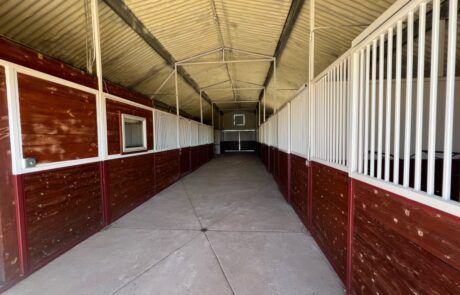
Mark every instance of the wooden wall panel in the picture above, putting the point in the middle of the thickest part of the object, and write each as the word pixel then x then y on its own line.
pixel 30 58
pixel 401 247
pixel 58 123
pixel 114 111
pixel 131 182
pixel 330 214
pixel 167 169
pixel 283 173
pixel 9 253
pixel 128 94
pixel 195 157
pixel 299 187
pixel 185 165
pixel 61 207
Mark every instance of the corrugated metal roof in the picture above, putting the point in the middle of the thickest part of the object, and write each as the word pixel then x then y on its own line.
pixel 60 28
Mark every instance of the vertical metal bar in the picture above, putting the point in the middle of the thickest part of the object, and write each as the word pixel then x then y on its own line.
pixel 212 115
pixel 408 122
pixel 328 116
pixel 347 109
pixel 258 117
pixel 265 107
pixel 311 115
pixel 433 97
pixel 360 110
pixel 340 97
pixel 333 113
pixel 373 99
pixel 396 158
pixel 450 98
pixel 366 111
pixel 201 106
pixel 177 106
pixel 380 115
pixel 420 84
pixel 357 60
pixel 102 121
pixel 388 104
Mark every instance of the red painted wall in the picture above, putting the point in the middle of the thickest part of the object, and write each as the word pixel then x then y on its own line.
pixel 131 182
pixel 9 249
pixel 299 187
pixel 185 163
pixel 114 111
pixel 401 247
pixel 284 174
pixel 63 128
pixel 62 206
pixel 330 214
pixel 167 169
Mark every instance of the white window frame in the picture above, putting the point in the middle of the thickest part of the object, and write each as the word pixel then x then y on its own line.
pixel 144 133
pixel 239 115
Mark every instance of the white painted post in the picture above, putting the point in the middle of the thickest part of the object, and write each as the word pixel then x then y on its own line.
pixel 450 98
pixel 396 157
pixel 420 84
pixel 408 123
pixel 388 117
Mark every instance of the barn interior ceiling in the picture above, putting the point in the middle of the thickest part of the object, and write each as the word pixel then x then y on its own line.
pixel 143 39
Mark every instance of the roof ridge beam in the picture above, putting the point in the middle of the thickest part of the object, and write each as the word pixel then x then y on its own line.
pixel 294 11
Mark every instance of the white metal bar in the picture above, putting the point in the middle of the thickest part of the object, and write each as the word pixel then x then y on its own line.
pixel 380 110
pixel 340 115
pixel 234 88
pixel 200 55
pixel 366 111
pixel 265 104
pixel 408 123
pixel 420 84
pixel 389 79
pixel 356 109
pixel 396 157
pixel 360 111
pixel 450 98
pixel 164 83
pixel 373 114
pixel 212 115
pixel 311 114
pixel 201 106
pixel 328 119
pixel 100 98
pixel 14 119
pixel 334 102
pixel 224 62
pixel 177 107
pixel 433 97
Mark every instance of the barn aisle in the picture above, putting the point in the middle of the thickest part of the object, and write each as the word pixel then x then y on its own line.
pixel 224 229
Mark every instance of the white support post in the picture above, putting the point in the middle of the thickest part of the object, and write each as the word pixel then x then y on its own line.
pixel 388 116
pixel 420 85
pixel 366 111
pixel 212 114
pixel 101 105
pixel 14 118
pixel 408 123
pixel 380 107
pixel 201 106
pixel 258 109
pixel 311 89
pixel 177 106
pixel 450 98
pixel 373 102
pixel 396 152
pixel 265 106
pixel 360 116
pixel 355 97
pixel 433 97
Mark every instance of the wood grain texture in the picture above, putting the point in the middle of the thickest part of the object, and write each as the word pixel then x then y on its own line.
pixel 167 169
pixel 128 94
pixel 195 154
pixel 24 56
pixel 283 173
pixel 401 247
pixel 185 164
pixel 299 187
pixel 330 214
pixel 58 123
pixel 9 254
pixel 131 182
pixel 61 206
pixel 114 111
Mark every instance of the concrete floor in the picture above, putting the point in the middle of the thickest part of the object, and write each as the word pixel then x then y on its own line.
pixel 254 243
